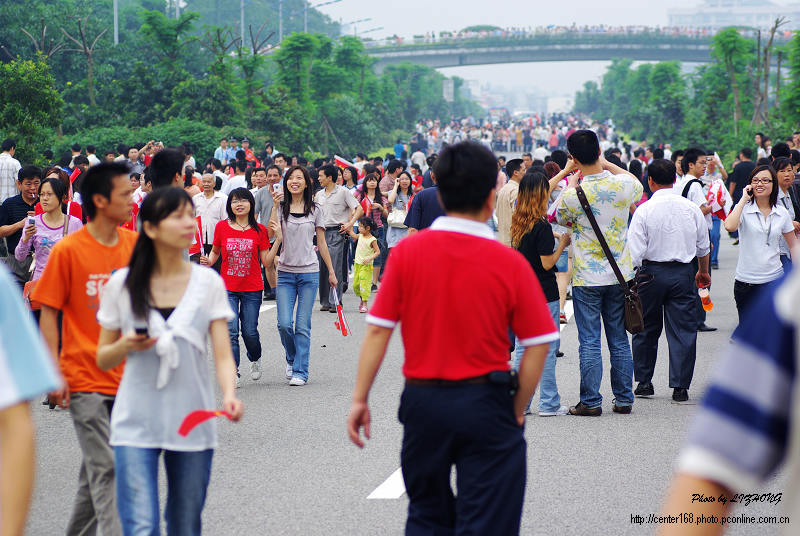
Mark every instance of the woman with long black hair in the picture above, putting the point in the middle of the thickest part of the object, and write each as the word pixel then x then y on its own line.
pixel 532 235
pixel 160 313
pixel 242 243
pixel 296 221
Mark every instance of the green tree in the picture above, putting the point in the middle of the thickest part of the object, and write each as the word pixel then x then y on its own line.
pixel 735 52
pixel 587 101
pixel 30 106
pixel 667 101
pixel 790 95
pixel 210 100
pixel 169 37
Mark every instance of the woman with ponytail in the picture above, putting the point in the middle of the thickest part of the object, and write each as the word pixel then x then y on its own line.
pixel 533 236
pixel 159 314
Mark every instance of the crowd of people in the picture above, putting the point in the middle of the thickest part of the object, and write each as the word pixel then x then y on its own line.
pixel 144 252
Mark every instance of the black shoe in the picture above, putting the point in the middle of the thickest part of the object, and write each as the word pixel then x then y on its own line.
pixel 269 296
pixel 644 389
pixel 325 308
pixel 715 266
pixel 679 394
pixel 704 327
pixel 580 409
pixel 333 310
pixel 374 287
pixel 559 354
pixel 625 410
pixel 736 242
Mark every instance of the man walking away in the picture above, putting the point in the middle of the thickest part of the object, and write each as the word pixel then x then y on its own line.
pixel 666 234
pixel 461 405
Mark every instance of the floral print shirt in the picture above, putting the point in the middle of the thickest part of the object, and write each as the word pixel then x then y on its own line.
pixel 610 197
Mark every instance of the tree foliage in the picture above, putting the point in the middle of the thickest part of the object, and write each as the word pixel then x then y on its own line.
pixel 315 89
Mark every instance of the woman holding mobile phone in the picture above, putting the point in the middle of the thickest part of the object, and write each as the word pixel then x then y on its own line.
pixel 761 223
pixel 182 306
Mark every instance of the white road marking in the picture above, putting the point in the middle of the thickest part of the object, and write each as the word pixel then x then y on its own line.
pixel 266 307
pixel 392 488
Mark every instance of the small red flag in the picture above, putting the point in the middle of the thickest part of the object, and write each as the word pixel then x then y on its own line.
pixel 200 416
pixel 341 162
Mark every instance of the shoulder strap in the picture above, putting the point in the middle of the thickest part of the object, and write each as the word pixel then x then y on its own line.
pixel 689 185
pixel 600 238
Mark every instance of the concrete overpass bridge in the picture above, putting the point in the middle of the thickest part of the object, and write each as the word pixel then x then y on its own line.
pixel 456 52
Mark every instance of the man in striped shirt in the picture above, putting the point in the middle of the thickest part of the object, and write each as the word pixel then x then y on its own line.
pixel 749 421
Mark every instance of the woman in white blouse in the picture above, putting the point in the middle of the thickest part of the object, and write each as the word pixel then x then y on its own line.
pixel 761 223
pixel 159 313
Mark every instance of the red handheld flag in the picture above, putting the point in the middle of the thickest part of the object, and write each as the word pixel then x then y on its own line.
pixel 341 320
pixel 341 162
pixel 200 416
pixel 197 243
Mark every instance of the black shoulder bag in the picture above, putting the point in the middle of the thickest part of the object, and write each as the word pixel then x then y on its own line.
pixel 634 317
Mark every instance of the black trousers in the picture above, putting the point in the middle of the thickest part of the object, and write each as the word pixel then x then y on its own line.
pixel 671 296
pixel 744 294
pixel 474 428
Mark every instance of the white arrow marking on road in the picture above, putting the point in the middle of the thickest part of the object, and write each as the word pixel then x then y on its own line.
pixel 394 487
pixel 266 307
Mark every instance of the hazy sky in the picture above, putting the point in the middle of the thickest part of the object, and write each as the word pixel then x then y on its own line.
pixel 556 78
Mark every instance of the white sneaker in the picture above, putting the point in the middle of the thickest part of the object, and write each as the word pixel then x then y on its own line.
pixel 289 371
pixel 563 410
pixel 297 381
pixel 238 382
pixel 255 370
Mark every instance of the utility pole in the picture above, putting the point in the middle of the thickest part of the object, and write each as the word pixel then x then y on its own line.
pixel 177 9
pixel 241 20
pixel 116 22
pixel 280 21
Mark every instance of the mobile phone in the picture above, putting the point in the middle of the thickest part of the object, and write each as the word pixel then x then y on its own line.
pixel 141 329
pixel 277 187
pixel 31 221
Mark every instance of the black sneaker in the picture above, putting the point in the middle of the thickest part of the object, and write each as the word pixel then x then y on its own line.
pixel 374 287
pixel 580 409
pixel 644 389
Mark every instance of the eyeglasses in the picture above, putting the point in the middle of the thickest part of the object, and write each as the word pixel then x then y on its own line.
pixel 761 181
pixel 239 201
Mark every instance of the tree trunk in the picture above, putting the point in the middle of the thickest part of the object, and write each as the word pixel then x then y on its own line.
pixel 90 79
pixel 778 81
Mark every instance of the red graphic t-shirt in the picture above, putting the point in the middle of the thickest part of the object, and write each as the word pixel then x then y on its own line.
pixel 241 266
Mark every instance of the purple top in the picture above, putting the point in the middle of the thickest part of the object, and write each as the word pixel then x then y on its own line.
pixel 43 242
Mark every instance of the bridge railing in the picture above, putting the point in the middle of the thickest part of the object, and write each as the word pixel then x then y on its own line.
pixel 554 36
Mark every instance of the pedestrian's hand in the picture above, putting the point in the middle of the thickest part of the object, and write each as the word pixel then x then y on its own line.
pixel 234 407
pixel 566 239
pixel 796 226
pixel 30 230
pixel 60 397
pixel 358 418
pixel 138 343
pixel 275 227
pixel 703 279
pixel 747 192
pixel 203 260
pixel 332 279
pixel 277 195
pixel 570 164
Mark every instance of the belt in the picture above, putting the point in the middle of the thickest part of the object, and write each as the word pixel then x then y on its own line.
pixel 507 378
pixel 666 263
pixel 333 228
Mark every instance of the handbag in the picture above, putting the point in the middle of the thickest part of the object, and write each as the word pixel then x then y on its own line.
pixel 29 287
pixel 634 315
pixel 397 218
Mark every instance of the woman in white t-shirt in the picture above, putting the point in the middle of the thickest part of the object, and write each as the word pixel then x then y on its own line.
pixel 159 313
pixel 761 223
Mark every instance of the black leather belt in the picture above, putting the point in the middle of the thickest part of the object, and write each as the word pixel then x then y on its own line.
pixel 334 228
pixel 497 377
pixel 667 263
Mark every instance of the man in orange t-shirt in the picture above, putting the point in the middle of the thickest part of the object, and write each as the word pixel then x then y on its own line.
pixel 72 283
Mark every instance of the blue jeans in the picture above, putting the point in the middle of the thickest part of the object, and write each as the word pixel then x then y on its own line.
pixel 715 231
pixel 188 474
pixel 549 399
pixel 786 262
pixel 591 304
pixel 246 306
pixel 296 336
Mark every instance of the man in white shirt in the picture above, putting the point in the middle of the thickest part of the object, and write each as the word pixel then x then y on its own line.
pixel 9 169
pixel 238 180
pixel 665 235
pixel 690 186
pixel 90 154
pixel 211 206
pixel 540 153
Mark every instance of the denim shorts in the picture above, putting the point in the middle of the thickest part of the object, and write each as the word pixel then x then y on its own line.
pixel 562 264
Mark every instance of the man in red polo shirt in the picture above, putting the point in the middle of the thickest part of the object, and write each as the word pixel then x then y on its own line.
pixel 461 405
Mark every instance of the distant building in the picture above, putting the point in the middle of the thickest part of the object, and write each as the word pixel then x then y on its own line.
pixel 723 13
